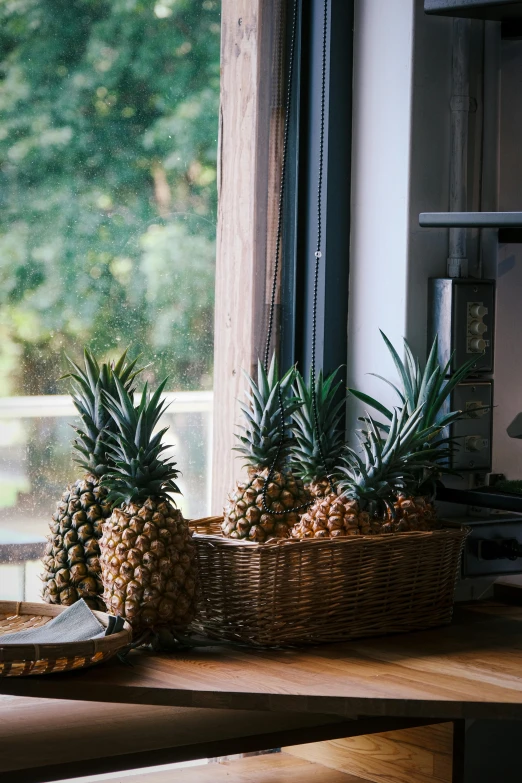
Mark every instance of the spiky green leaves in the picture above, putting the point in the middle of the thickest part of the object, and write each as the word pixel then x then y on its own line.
pixel 139 470
pixel 429 388
pixel 260 442
pixel 88 385
pixel 317 446
pixel 392 464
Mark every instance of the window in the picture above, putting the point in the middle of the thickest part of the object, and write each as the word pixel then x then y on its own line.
pixel 108 139
pixel 252 120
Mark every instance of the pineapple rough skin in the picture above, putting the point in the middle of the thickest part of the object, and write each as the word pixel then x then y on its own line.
pixel 411 513
pixel 148 566
pixel 71 560
pixel 319 488
pixel 334 516
pixel 244 516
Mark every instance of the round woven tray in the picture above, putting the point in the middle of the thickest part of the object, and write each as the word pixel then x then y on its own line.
pixel 20 660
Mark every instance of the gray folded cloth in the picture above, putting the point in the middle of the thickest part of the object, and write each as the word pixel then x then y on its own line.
pixel 76 624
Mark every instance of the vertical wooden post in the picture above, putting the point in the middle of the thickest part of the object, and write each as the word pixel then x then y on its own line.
pixel 247 188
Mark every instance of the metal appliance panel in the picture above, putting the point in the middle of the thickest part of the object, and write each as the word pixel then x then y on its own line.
pixel 473 432
pixel 496 528
pixel 461 312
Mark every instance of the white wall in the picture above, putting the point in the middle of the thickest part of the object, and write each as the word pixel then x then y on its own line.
pixel 402 86
pixel 429 166
pixel 401 165
pixel 380 182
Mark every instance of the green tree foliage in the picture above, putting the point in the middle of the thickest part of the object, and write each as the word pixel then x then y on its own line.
pixel 108 136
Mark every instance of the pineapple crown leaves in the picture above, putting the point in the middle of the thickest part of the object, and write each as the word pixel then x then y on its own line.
pixel 138 470
pixel 307 448
pixel 391 464
pixel 431 389
pixel 428 388
pixel 87 387
pixel 268 401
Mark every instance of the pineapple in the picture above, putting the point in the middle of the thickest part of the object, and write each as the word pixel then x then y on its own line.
pixel 266 505
pixel 71 560
pixel 334 516
pixel 371 488
pixel 313 461
pixel 414 512
pixel 148 558
pixel 430 390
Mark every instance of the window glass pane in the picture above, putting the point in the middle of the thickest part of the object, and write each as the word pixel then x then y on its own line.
pixel 108 140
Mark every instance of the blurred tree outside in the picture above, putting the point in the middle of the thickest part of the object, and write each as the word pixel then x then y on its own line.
pixel 108 141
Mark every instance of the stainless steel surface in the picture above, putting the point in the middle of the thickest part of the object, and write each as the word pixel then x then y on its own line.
pixel 470 219
pixel 495 528
pixel 461 104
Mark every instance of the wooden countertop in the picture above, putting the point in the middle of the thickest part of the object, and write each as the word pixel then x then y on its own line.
pixel 471 669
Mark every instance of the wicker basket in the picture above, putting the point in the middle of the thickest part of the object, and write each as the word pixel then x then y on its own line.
pixel 290 592
pixel 20 660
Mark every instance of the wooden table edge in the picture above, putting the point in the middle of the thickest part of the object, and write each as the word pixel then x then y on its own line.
pixel 70 688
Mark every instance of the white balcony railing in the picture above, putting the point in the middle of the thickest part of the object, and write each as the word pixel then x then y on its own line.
pixel 62 405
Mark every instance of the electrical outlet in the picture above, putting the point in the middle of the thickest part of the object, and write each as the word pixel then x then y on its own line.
pixel 461 313
pixel 477 340
pixel 473 431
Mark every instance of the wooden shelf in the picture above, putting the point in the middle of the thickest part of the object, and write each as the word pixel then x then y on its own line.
pixel 509 220
pixel 494 10
pixel 43 739
pixel 421 755
pixel 272 768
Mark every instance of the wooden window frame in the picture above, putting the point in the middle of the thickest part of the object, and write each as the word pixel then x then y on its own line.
pixel 251 125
